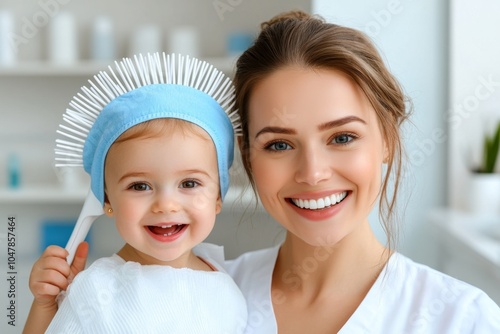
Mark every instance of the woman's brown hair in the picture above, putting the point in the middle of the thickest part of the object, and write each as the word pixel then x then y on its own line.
pixel 299 39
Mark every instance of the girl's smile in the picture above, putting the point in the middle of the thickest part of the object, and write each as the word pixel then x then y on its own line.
pixel 166 232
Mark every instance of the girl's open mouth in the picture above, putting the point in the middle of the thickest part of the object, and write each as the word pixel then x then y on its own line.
pixel 166 232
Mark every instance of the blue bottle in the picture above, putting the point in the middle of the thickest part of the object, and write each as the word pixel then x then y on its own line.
pixel 14 171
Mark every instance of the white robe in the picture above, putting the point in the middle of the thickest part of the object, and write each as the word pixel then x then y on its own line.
pixel 114 296
pixel 407 297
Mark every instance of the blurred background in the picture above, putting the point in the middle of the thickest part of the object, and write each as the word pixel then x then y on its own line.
pixel 446 55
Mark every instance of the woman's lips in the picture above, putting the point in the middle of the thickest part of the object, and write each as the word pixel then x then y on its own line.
pixel 319 203
pixel 320 208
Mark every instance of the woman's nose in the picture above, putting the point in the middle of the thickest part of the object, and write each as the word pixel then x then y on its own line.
pixel 313 166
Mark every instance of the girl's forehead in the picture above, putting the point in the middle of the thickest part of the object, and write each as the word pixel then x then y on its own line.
pixel 175 150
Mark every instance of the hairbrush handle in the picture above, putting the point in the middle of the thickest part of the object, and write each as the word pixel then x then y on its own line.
pixel 91 210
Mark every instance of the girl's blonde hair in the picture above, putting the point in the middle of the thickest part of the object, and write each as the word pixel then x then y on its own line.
pixel 159 126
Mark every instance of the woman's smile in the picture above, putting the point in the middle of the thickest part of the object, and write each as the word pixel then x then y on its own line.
pixel 319 203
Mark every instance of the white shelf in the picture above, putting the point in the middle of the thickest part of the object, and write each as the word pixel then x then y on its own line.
pixel 477 236
pixel 42 194
pixel 88 68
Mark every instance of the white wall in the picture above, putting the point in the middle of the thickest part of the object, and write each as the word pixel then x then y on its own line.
pixel 412 37
pixel 474 87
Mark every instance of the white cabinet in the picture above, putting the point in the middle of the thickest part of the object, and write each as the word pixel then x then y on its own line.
pixel 469 248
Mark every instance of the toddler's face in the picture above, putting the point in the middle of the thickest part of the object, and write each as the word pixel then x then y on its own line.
pixel 164 192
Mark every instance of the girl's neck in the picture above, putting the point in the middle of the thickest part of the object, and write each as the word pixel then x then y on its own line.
pixel 349 266
pixel 187 260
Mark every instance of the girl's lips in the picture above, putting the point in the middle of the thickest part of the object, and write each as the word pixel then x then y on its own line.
pixel 166 232
pixel 319 203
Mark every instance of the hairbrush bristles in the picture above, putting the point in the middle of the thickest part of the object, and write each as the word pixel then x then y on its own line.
pixel 129 75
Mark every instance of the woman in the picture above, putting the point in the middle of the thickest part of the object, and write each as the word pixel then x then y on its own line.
pixel 321 118
pixel 321 115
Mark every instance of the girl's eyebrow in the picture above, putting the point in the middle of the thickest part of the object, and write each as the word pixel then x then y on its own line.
pixel 141 174
pixel 132 174
pixel 321 127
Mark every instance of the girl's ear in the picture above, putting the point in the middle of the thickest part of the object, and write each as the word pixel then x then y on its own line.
pixel 108 210
pixel 218 205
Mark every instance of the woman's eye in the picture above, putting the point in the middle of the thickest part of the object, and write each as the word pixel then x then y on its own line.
pixel 278 146
pixel 140 187
pixel 189 184
pixel 343 139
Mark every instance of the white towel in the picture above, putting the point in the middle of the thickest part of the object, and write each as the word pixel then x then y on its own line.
pixel 114 296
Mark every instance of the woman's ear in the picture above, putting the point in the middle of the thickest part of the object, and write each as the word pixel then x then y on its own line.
pixel 386 154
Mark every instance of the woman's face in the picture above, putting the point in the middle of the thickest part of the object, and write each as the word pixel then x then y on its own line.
pixel 316 152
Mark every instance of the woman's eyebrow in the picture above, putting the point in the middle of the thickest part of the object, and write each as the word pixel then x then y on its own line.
pixel 275 129
pixel 321 127
pixel 340 122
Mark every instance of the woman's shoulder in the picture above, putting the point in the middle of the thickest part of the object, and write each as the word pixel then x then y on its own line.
pixel 427 281
pixel 421 275
pixel 428 295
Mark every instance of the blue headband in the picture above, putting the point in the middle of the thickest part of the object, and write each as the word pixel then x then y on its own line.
pixel 153 102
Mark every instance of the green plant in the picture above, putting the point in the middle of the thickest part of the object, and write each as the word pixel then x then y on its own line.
pixel 491 149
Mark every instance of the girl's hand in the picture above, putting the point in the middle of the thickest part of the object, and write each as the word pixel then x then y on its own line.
pixel 51 273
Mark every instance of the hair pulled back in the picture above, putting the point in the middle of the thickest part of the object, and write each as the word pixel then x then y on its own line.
pixel 298 39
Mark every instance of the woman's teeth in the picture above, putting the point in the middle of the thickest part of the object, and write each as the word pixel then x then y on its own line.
pixel 321 203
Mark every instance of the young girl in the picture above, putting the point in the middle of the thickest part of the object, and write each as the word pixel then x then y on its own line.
pixel 164 197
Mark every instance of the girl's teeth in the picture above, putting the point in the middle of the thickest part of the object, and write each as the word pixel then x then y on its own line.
pixel 321 203
pixel 169 226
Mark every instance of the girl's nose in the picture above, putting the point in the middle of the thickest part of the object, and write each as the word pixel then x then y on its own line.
pixel 165 201
pixel 313 166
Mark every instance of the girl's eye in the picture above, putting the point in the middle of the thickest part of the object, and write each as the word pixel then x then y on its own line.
pixel 140 186
pixel 343 139
pixel 278 146
pixel 189 184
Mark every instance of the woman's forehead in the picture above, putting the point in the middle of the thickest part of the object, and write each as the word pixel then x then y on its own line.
pixel 295 95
